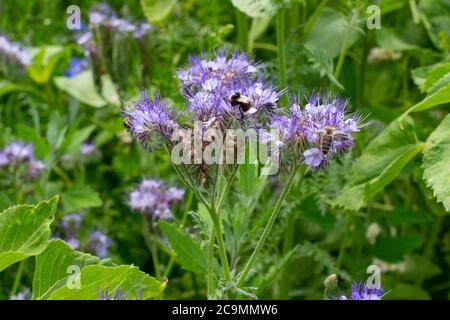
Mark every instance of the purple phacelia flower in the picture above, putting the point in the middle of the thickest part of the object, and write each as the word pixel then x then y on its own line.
pixel 226 71
pixel 360 291
pixel 71 224
pixel 35 167
pixel 149 119
pixel 20 154
pixel 76 66
pixel 328 128
pixel 142 29
pixel 99 243
pixel 152 197
pixel 14 52
pixel 25 294
pixel 87 148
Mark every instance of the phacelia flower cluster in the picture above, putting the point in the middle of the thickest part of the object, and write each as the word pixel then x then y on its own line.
pixel 99 243
pixel 222 88
pixel 18 155
pixel 360 291
pixel 230 92
pixel 321 129
pixel 71 224
pixel 114 44
pixel 153 198
pixel 13 56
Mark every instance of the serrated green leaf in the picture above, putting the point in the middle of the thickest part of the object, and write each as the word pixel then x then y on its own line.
pixel 24 231
pixel 52 264
pixel 435 74
pixel 380 163
pixel 436 163
pixel 189 253
pixel 439 97
pixel 80 197
pixel 96 278
pixel 81 87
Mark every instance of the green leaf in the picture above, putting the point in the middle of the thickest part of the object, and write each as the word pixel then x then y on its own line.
pixel 24 231
pixel 96 278
pixel 157 10
pixel 401 216
pixel 393 249
pixel 420 268
pixel 189 253
pixel 81 87
pixel 439 97
pixel 329 32
pixel 436 163
pixel 44 62
pixel 80 197
pixel 435 74
pixel 255 8
pixel 73 141
pixel 52 265
pixel 388 40
pixel 7 87
pixel 380 163
pixel 405 291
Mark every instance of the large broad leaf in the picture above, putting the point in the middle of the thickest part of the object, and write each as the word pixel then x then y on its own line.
pixel 393 249
pixel 189 253
pixel 81 87
pixel 389 40
pixel 438 97
pixel 436 162
pixel 95 279
pixel 329 33
pixel 53 267
pixel 24 231
pixel 380 163
pixel 157 10
pixel 80 197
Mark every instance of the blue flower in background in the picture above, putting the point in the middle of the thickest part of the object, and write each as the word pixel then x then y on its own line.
pixel 76 65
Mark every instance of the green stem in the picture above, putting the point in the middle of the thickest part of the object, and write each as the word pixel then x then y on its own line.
pixel 345 44
pixel 268 227
pixel 312 20
pixel 223 254
pixel 152 247
pixel 18 277
pixel 414 11
pixel 343 243
pixel 281 46
pixel 211 263
pixel 242 29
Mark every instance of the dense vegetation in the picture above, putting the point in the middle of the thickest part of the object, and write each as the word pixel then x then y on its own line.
pixel 93 207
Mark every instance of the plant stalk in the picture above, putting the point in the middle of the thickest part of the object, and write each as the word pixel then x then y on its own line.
pixel 268 227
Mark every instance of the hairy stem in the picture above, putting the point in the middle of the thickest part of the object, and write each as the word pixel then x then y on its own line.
pixel 273 217
pixel 212 242
pixel 345 44
pixel 281 46
pixel 18 277
pixel 223 254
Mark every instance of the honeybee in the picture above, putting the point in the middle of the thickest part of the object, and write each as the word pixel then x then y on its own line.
pixel 127 123
pixel 327 137
pixel 244 103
